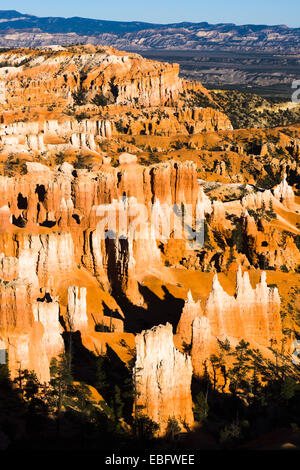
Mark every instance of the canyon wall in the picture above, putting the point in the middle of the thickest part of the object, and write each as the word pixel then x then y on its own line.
pixel 253 314
pixel 54 230
pixel 51 137
pixel 40 77
pixel 55 225
pixel 73 99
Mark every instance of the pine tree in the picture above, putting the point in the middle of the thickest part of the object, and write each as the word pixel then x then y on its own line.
pixel 61 384
pixel 201 407
pixel 173 428
pixel 239 373
pixel 145 428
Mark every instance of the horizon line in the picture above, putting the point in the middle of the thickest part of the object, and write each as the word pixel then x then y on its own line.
pixel 154 23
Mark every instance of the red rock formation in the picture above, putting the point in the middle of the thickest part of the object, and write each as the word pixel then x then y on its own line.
pixel 60 211
pixel 258 200
pixel 190 311
pixel 220 309
pixel 285 194
pixel 120 76
pixel 253 315
pixel 56 226
pixel 89 105
pixel 135 96
pixel 203 345
pixel 162 378
pixel 265 242
pixel 28 351
pixel 16 299
pixel 260 309
pixel 77 317
pixel 47 313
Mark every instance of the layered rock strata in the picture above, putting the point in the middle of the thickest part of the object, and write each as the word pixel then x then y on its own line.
pixel 55 224
pixel 252 315
pixel 162 379
pixel 77 316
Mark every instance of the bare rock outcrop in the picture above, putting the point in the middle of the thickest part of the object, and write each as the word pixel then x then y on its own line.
pixel 253 314
pixel 46 311
pixel 163 378
pixel 121 77
pixel 285 194
pixel 77 316
pixel 191 310
pixel 222 313
pixel 203 345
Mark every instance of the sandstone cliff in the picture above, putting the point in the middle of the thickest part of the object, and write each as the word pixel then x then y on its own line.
pixel 252 315
pixel 77 317
pixel 54 230
pixel 73 100
pixel 190 312
pixel 120 76
pixel 163 379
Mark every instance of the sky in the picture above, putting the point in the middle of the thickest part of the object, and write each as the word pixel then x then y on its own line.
pixel 167 11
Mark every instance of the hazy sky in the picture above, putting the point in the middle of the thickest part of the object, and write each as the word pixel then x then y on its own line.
pixel 167 11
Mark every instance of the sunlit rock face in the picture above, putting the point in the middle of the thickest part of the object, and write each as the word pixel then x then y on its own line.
pixel 28 350
pixel 16 299
pixel 221 312
pixel 77 316
pixel 282 193
pixel 52 227
pixel 285 194
pixel 253 314
pixel 88 135
pixel 120 76
pixel 258 200
pixel 68 270
pixel 62 213
pixel 40 89
pixel 162 378
pixel 190 312
pixel 46 312
pixel 260 309
pixel 203 345
pixel 30 329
